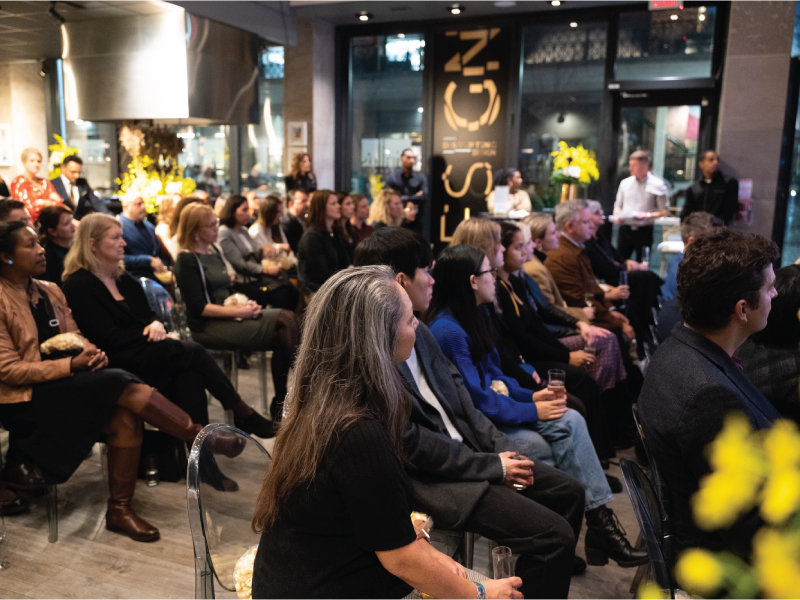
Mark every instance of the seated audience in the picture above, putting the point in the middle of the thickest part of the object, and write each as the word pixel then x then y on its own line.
pixel 462 327
pixel 76 192
pixel 343 227
pixel 771 357
pixel 267 232
pixel 56 229
pixel 321 252
pixel 111 309
pixel 267 284
pixel 386 209
pixel 696 224
pixel 33 191
pixel 166 213
pixel 339 526
pixel 518 199
pixel 725 287
pixel 59 408
pixel 14 210
pixel 293 222
pixel 205 284
pixel 360 229
pixel 143 254
pixel 172 244
pixel 545 238
pixel 464 468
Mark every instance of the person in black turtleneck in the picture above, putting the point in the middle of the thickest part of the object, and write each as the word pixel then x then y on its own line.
pixel 714 193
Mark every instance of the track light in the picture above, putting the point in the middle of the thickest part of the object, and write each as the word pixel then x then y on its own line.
pixel 363 16
pixel 456 9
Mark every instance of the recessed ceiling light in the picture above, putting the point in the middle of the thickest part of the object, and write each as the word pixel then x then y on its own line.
pixel 456 9
pixel 573 24
pixel 673 17
pixel 556 2
pixel 363 16
pixel 420 109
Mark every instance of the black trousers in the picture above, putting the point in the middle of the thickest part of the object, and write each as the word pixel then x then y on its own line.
pixel 541 524
pixel 581 384
pixel 631 240
pixel 285 296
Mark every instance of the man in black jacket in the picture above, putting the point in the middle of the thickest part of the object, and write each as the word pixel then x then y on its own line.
pixel 75 190
pixel 293 222
pixel 715 193
pixel 464 469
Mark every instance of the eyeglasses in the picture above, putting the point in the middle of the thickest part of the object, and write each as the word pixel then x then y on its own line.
pixel 493 271
pixel 214 224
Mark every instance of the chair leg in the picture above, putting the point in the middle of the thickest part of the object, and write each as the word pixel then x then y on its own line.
pixel 52 513
pixel 229 418
pixel 262 381
pixel 235 369
pixel 469 548
pixel 638 577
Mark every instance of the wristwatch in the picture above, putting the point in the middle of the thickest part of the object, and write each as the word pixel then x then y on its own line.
pixel 481 591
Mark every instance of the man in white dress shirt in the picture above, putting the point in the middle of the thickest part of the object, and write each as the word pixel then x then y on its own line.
pixel 75 190
pixel 642 197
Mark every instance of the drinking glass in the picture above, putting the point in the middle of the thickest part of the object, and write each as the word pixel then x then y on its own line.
pixel 588 297
pixel 555 381
pixel 501 562
pixel 623 280
pixel 646 256
pixel 590 349
pixel 4 564
pixel 520 449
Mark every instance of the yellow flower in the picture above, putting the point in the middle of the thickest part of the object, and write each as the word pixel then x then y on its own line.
pixel 780 496
pixel 722 497
pixel 650 591
pixel 775 557
pixel 699 571
pixel 782 445
pixel 736 448
pixel 579 157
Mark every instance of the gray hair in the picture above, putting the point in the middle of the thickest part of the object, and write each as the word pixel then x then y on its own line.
pixel 643 156
pixel 699 223
pixel 567 212
pixel 594 206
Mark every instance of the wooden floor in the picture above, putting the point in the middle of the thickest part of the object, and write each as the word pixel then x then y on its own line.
pixel 90 562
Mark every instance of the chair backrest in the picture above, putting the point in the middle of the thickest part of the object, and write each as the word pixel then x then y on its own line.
pixel 648 513
pixel 657 481
pixel 221 520
pixel 159 300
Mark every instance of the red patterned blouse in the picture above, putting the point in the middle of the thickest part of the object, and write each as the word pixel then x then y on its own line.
pixel 34 194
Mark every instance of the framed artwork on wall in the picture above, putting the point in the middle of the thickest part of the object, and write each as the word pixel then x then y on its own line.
pixel 297 133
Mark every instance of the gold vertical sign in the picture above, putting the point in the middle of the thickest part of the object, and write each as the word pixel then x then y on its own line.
pixel 470 122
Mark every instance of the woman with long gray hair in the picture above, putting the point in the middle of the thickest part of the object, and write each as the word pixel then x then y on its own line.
pixel 333 510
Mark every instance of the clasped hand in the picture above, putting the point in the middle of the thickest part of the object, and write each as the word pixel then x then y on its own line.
pixel 90 359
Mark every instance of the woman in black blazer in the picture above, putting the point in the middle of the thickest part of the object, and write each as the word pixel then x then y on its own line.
pixel 112 310
pixel 321 252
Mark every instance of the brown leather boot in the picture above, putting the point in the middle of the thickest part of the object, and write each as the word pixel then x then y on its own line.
pixel 123 463
pixel 169 418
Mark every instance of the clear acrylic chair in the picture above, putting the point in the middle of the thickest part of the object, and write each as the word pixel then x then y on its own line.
pixel 221 521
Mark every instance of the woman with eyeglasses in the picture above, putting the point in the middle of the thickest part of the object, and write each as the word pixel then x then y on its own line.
pixel 205 285
pixel 458 319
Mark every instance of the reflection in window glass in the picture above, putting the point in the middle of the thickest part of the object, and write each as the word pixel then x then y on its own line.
pixel 655 44
pixel 95 143
pixel 262 145
pixel 205 157
pixel 386 105
pixel 562 87
pixel 791 239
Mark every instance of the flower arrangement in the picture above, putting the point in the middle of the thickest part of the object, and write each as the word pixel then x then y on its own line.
pixel 153 168
pixel 749 470
pixel 574 166
pixel 58 152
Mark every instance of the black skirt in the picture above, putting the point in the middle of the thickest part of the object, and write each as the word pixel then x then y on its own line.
pixel 64 419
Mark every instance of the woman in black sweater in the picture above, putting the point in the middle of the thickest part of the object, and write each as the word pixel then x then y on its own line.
pixel 334 508
pixel 321 252
pixel 56 228
pixel 112 311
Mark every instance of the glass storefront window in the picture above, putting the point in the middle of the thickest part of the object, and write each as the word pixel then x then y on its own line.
pixel 656 44
pixel 386 105
pixel 96 144
pixel 262 145
pixel 791 238
pixel 205 157
pixel 562 88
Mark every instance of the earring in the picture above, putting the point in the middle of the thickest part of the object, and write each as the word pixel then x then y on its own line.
pixel 11 262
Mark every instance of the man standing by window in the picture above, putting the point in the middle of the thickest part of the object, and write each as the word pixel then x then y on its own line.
pixel 714 193
pixel 412 185
pixel 641 198
pixel 75 190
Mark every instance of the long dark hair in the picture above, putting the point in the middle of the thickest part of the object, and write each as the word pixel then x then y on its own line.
pixel 344 372
pixel 49 218
pixel 267 209
pixel 452 291
pixel 227 216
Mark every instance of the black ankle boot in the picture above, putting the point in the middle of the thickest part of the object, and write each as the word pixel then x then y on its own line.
pixel 605 538
pixel 255 424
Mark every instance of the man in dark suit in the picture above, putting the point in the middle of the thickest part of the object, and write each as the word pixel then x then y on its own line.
pixel 725 289
pixel 293 222
pixel 144 256
pixel 75 190
pixel 714 192
pixel 463 468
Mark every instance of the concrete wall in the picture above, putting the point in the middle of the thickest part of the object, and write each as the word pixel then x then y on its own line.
pixel 22 104
pixel 753 101
pixel 309 95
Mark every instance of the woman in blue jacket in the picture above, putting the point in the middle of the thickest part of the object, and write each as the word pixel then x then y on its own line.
pixel 460 323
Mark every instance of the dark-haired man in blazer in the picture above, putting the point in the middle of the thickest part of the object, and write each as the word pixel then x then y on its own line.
pixel 75 190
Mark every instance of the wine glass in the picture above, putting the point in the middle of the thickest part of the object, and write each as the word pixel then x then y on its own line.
pixel 501 562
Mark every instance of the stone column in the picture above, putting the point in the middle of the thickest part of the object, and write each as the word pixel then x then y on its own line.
pixel 309 95
pixel 753 101
pixel 22 104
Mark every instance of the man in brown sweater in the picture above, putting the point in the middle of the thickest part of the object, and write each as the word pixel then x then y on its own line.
pixel 572 270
